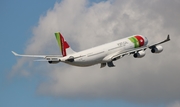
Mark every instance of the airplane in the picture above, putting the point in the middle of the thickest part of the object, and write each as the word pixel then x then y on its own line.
pixel 104 54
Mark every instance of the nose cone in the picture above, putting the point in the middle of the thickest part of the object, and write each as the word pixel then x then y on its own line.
pixel 142 41
pixel 145 41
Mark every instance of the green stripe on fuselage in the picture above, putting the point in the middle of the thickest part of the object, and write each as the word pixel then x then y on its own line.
pixel 135 41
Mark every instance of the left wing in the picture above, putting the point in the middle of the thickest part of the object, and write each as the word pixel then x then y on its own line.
pixel 35 56
pixel 47 57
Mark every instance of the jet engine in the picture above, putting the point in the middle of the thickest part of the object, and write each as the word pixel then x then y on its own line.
pixel 53 62
pixel 157 49
pixel 139 54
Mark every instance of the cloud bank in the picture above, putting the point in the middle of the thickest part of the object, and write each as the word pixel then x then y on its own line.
pixel 154 78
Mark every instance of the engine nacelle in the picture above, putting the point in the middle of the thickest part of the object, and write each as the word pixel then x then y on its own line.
pixel 53 62
pixel 139 54
pixel 157 49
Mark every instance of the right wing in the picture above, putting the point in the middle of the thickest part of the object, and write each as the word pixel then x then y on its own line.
pixel 118 55
pixel 154 45
pixel 128 52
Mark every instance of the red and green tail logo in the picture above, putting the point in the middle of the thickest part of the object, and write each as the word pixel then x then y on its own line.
pixel 137 40
pixel 63 45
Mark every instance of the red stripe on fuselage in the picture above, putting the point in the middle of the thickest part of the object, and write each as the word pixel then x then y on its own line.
pixel 140 40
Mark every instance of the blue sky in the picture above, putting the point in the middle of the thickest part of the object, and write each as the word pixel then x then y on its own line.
pixel 17 20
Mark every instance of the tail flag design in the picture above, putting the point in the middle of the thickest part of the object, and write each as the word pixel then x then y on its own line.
pixel 63 45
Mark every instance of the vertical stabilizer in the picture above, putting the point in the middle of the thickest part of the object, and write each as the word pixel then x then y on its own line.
pixel 63 45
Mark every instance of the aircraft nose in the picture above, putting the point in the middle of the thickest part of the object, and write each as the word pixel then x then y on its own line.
pixel 145 41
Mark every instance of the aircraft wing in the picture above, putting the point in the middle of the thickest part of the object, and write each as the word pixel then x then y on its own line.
pixel 166 40
pixel 129 52
pixel 47 57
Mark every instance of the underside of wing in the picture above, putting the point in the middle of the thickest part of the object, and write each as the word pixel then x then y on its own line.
pixel 136 52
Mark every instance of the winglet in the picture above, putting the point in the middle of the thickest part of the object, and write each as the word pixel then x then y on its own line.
pixel 15 53
pixel 168 38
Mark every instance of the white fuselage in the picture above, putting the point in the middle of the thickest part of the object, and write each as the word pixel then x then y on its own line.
pixel 102 53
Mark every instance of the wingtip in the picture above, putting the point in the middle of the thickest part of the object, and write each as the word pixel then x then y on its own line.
pixel 14 53
pixel 168 37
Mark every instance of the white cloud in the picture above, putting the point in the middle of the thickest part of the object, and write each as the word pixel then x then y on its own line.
pixel 176 104
pixel 155 78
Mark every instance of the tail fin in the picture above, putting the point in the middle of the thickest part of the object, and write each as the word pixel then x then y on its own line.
pixel 63 45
